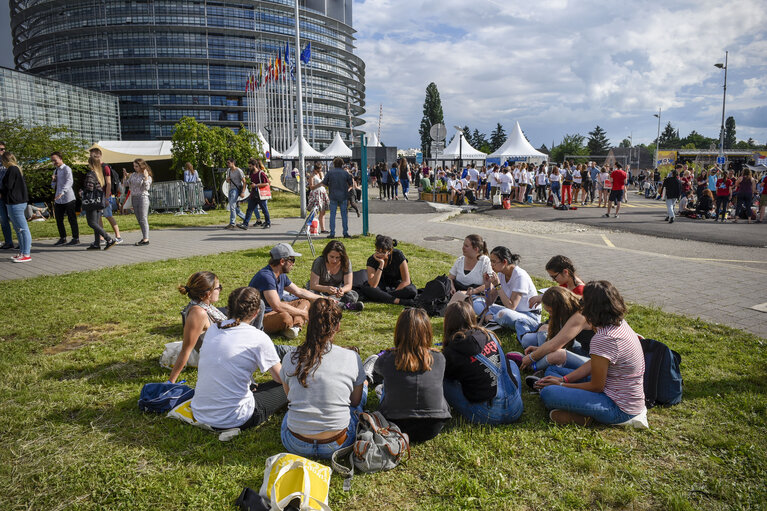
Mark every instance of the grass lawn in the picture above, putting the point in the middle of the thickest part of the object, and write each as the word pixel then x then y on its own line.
pixel 282 205
pixel 77 348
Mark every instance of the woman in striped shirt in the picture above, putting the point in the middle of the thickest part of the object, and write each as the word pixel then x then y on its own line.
pixel 609 388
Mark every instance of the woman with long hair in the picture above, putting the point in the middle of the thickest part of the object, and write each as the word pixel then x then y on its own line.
pixel 388 275
pixel 609 388
pixel 412 374
pixel 555 182
pixel 469 270
pixel 14 194
pixel 95 180
pixel 224 396
pixel 258 179
pixel 332 276
pixel 139 183
pixel 562 271
pixel 318 197
pixel 479 382
pixel 325 385
pixel 745 186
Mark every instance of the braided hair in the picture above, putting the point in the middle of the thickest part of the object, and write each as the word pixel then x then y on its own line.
pixel 243 303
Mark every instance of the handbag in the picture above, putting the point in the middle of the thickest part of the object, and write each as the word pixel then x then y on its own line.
pixel 93 198
pixel 288 477
pixel 264 192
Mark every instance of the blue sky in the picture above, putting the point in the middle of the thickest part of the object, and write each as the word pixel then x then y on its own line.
pixel 560 66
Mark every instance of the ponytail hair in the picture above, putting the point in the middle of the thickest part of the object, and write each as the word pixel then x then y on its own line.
pixel 478 243
pixel 198 285
pixel 504 254
pixel 560 263
pixel 385 243
pixel 243 302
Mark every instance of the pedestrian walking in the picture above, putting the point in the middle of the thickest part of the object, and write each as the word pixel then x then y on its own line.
pixel 13 189
pixel 64 201
pixel 139 183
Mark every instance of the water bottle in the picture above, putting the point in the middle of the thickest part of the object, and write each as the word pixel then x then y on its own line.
pixel 315 227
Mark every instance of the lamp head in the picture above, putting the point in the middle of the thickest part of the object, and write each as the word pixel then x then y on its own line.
pixel 719 65
pixel 656 115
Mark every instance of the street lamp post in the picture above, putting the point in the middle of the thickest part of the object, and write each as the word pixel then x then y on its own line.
pixel 724 98
pixel 460 149
pixel 269 134
pixel 657 140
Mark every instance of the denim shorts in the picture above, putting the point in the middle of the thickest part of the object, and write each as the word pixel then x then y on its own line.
pixel 107 211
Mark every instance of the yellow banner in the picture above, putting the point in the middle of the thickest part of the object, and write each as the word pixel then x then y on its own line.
pixel 666 158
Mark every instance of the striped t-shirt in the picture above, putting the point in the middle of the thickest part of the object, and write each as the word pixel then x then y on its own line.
pixel 625 374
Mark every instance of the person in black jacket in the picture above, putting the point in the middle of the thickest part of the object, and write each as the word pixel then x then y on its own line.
pixel 13 190
pixel 673 188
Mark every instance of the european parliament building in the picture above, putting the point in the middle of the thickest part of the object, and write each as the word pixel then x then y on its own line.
pixel 166 59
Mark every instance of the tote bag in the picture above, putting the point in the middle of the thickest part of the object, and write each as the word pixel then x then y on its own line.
pixel 289 476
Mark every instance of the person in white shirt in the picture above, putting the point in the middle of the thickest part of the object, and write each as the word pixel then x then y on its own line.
pixel 457 187
pixel 492 179
pixel 540 185
pixel 469 270
pixel 505 183
pixel 224 397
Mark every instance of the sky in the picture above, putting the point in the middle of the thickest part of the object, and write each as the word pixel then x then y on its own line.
pixel 559 67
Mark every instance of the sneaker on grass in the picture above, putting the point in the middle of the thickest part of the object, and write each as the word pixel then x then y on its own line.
pixel 291 333
pixel 367 366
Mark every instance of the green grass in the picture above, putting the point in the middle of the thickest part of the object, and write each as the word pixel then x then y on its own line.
pixel 76 349
pixel 282 205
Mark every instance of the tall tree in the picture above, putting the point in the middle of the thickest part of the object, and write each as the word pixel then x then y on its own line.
pixel 478 139
pixel 598 143
pixel 570 145
pixel 729 133
pixel 432 114
pixel 625 143
pixel 497 137
pixel 669 138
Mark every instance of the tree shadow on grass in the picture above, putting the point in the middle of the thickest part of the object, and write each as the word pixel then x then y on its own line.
pixel 701 388
pixel 172 332
pixel 138 371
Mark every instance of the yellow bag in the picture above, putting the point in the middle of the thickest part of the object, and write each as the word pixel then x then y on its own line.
pixel 289 476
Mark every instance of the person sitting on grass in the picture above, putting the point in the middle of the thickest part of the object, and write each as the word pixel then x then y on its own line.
pixel 480 384
pixel 388 275
pixel 332 276
pixel 326 388
pixel 412 374
pixel 282 315
pixel 562 271
pixel 609 388
pixel 468 271
pixel 224 397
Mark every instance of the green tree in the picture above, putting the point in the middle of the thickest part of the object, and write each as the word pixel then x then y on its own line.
pixel 478 139
pixel 432 114
pixel 729 133
pixel 669 138
pixel 697 140
pixel 497 137
pixel 625 143
pixel 598 143
pixel 571 144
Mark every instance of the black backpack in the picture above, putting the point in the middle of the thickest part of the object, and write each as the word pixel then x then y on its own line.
pixel 114 175
pixel 434 297
pixel 662 375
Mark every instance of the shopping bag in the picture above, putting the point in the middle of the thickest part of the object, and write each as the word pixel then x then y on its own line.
pixel 289 476
pixel 264 192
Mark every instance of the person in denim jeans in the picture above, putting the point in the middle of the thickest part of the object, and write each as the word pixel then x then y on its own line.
pixel 236 179
pixel 13 189
pixel 479 382
pixel 326 388
pixel 4 220
pixel 338 181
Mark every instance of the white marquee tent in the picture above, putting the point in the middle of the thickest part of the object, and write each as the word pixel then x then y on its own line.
pixel 517 146
pixel 463 150
pixel 337 148
pixel 266 147
pixel 309 151
pixel 373 140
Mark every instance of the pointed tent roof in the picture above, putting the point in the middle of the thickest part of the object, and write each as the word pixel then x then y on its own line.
pixel 373 140
pixel 266 147
pixel 517 146
pixel 309 151
pixel 337 148
pixel 464 150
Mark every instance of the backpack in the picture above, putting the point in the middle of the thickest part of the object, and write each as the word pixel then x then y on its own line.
pixel 163 397
pixel 434 297
pixel 662 375
pixel 114 176
pixel 379 445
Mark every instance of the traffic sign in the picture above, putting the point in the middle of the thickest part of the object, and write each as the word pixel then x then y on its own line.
pixel 438 132
pixel 419 158
pixel 720 160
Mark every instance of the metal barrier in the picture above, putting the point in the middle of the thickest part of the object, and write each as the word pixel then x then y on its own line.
pixel 176 195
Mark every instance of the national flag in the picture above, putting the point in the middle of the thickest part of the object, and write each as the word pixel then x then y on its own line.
pixel 306 53
pixel 247 84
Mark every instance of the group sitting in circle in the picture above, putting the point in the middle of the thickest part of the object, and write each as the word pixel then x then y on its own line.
pixel 586 361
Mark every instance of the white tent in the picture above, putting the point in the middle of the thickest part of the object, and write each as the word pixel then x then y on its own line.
pixel 266 147
pixel 517 146
pixel 463 150
pixel 337 148
pixel 309 152
pixel 373 140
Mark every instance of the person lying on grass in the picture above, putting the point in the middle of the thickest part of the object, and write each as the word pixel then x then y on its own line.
pixel 224 397
pixel 412 374
pixel 479 383
pixel 609 388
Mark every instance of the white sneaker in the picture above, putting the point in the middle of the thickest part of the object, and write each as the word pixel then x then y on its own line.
pixel 638 421
pixel 367 366
pixel 291 333
pixel 118 241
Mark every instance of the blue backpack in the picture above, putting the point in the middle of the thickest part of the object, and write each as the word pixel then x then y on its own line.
pixel 163 397
pixel 662 375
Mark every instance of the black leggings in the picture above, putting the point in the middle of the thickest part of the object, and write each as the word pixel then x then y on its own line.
pixel 270 398
pixel 388 295
pixel 93 222
pixel 420 430
pixel 721 206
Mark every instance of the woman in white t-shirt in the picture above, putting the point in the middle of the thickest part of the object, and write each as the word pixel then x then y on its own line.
pixel 514 287
pixel 492 179
pixel 555 180
pixel 505 182
pixel 468 271
pixel 233 349
pixel 603 185
pixel 540 185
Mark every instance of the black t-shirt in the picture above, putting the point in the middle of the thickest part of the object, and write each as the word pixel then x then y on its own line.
pixel 478 382
pixel 391 276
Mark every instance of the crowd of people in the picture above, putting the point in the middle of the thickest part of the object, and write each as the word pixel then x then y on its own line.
pixel 585 360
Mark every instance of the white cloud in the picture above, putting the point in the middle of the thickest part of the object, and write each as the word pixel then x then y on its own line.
pixel 560 67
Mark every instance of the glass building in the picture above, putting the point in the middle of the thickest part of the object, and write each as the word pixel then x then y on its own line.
pixel 35 100
pixel 171 58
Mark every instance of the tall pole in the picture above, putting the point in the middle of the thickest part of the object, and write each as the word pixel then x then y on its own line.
pixel 364 172
pixel 657 140
pixel 724 99
pixel 460 154
pixel 302 184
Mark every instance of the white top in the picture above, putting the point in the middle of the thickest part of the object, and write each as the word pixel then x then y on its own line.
pixel 577 178
pixel 505 181
pixel 554 178
pixel 515 173
pixel 520 282
pixel 228 359
pixel 492 178
pixel 474 277
pixel 541 179
pixel 473 175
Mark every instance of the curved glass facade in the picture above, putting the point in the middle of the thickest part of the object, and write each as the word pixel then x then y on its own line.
pixel 169 58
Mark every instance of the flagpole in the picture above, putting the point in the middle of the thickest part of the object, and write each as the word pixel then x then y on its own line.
pixel 302 184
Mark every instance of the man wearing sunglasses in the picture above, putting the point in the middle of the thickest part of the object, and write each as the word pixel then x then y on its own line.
pixel 282 315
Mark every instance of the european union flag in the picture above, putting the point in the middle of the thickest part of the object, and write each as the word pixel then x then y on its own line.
pixel 306 53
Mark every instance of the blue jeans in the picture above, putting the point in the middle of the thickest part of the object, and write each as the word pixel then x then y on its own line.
pixel 591 404
pixel 572 360
pixel 555 186
pixel 522 322
pixel 315 450
pixel 19 221
pixel 5 223
pixel 253 207
pixel 405 185
pixel 504 408
pixel 344 216
pixel 234 208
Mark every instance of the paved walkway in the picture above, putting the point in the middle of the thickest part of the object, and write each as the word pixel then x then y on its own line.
pixel 716 283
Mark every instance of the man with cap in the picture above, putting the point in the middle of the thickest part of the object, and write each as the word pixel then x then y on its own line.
pixel 282 316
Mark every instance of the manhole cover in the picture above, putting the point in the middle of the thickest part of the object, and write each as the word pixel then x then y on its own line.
pixel 441 238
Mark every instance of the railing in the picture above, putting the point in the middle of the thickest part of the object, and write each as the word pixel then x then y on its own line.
pixel 176 195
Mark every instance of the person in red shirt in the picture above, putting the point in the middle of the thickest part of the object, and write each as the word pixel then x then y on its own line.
pixel 723 194
pixel 618 177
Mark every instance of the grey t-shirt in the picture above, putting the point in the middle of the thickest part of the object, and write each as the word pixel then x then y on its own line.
pixel 236 176
pixel 323 405
pixel 326 278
